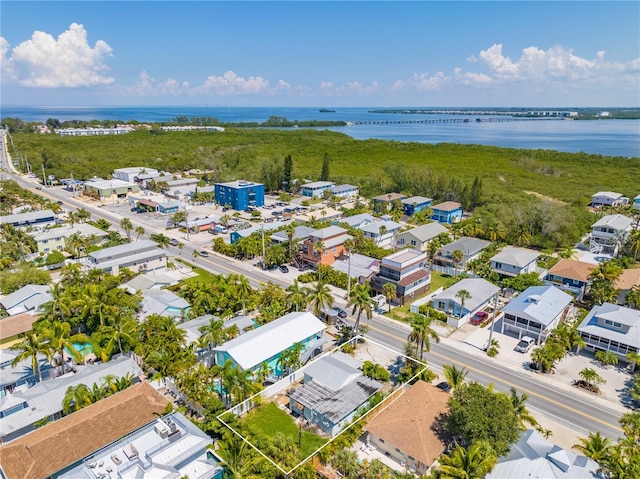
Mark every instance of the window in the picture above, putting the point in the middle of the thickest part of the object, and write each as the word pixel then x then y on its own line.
pixel 615 324
pixel 413 242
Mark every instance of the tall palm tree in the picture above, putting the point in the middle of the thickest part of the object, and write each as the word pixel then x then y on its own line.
pixel 297 296
pixel 238 459
pixel 213 332
pixel 76 398
pixel 243 289
pixel 361 302
pixel 58 337
pixel 139 232
pixel 30 347
pixel 472 463
pixel 161 239
pixel 124 330
pixel 390 293
pixel 127 226
pixel 422 332
pixel 457 256
pixel 522 413
pixel 455 376
pixel 318 249
pixel 320 297
pixel 595 446
pixel 463 295
pixel 633 358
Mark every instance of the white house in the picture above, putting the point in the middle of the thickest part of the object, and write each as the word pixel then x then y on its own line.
pixel 29 298
pixel 344 191
pixel 382 232
pixel 316 188
pixel 139 256
pixel 608 198
pixel 55 239
pixel 512 261
pixel 130 174
pixel 481 293
pixel 611 327
pixel 609 233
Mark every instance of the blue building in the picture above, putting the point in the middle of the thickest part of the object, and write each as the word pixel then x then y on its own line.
pixel 415 204
pixel 447 212
pixel 240 194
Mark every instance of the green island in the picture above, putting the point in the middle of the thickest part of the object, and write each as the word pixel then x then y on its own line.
pixel 576 113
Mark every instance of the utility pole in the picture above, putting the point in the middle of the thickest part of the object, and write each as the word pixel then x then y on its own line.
pixel 348 276
pixel 73 186
pixel 44 178
pixel 264 265
pixel 186 223
pixel 493 320
pixel 113 198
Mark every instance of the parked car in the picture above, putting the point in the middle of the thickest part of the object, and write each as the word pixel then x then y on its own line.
pixel 203 253
pixel 445 386
pixel 60 202
pixel 38 187
pixel 479 318
pixel 341 312
pixel 283 268
pixel 174 242
pixel 525 344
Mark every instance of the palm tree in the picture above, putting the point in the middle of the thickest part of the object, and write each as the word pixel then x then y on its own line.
pixel 297 295
pixel 472 463
pixel 421 332
pixel 213 332
pixel 124 331
pixel 161 239
pixel 361 302
pixel 58 338
pixel 591 377
pixel 607 358
pixel 139 232
pixel 238 459
pixel 194 255
pixel 389 291
pixel 455 376
pixel 30 347
pixel 633 358
pixel 320 297
pixel 243 289
pixel 127 226
pixel 521 411
pixel 457 256
pixel 291 231
pixel 463 295
pixel 263 372
pixel 76 398
pixel 595 447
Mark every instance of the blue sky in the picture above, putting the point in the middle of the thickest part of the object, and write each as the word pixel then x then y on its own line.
pixel 308 53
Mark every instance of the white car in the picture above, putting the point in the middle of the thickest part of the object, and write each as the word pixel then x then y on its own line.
pixel 525 344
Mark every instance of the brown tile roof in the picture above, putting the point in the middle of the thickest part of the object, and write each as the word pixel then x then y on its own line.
pixel 628 279
pixel 406 423
pixel 447 206
pixel 572 269
pixel 390 197
pixel 16 324
pixel 59 444
pixel 413 277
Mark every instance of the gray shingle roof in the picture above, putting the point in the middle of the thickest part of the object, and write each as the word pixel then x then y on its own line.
pixel 426 232
pixel 481 291
pixel 513 256
pixel 619 314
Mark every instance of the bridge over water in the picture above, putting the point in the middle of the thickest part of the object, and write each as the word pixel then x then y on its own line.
pixel 446 120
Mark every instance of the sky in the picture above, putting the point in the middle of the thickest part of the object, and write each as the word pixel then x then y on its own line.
pixel 320 53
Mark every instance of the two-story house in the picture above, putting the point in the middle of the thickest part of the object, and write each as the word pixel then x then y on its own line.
pixel 143 255
pixel 512 261
pixel 382 232
pixel 459 307
pixel 344 191
pixel 316 189
pixel 324 246
pixel 610 327
pixel 536 312
pixel 407 270
pixel 448 212
pixel 420 236
pixel 609 233
pixel 570 275
pixel 415 204
pixel 471 249
pixel 55 239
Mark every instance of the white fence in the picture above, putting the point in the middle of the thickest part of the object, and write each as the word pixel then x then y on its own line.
pixel 415 306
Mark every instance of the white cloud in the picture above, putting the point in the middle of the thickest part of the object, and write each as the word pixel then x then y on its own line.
pixel 46 62
pixel 350 88
pixel 424 82
pixel 231 84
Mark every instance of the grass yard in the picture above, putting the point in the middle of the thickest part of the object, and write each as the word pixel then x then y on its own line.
pixel 437 280
pixel 203 276
pixel 269 420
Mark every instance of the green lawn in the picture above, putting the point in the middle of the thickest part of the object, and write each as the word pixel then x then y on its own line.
pixel 437 280
pixel 203 276
pixel 269 420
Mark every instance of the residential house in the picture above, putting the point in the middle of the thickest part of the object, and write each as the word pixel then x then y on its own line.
pixel 148 282
pixel 382 232
pixel 164 303
pixel 471 249
pixel 332 241
pixel 316 189
pixel 55 239
pixel 356 221
pixel 628 279
pixel 268 342
pixel 13 328
pixel 512 261
pixel 388 198
pixel 608 198
pixel 344 191
pixel 481 294
pixel 240 194
pixel 57 447
pixel 300 233
pixel 405 430
pixel 357 266
pixel 20 376
pixel 109 191
pixel 333 390
pixel 420 236
pixel 536 312
pixel 415 204
pixel 636 202
pixel 131 174
pixel 610 327
pixel 534 456
pixel 322 214
pixel 138 256
pixel 33 219
pixel 570 275
pixel 448 212
pixel 236 236
pixel 166 207
pixel 181 188
pixel 609 233
pixel 28 299
pixel 22 409
pixel 407 270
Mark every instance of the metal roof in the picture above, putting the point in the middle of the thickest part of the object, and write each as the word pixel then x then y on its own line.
pixel 514 256
pixel 29 297
pixel 30 216
pixel 123 249
pixel 619 314
pixel 331 372
pixel 481 291
pixel 425 232
pixel 618 222
pixel 539 303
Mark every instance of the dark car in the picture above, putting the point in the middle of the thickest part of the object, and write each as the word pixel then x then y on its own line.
pixel 203 253
pixel 224 208
pixel 174 242
pixel 284 269
pixel 38 187
pixel 445 386
pixel 341 312
pixel 60 202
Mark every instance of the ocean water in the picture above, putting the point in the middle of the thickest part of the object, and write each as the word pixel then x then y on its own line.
pixel 605 137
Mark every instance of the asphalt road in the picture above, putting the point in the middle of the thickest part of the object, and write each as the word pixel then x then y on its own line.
pixel 567 407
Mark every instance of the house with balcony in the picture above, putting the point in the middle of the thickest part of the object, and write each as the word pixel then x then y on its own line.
pixel 138 256
pixel 448 212
pixel 407 270
pixel 55 239
pixel 512 261
pixel 333 390
pixel 415 204
pixel 383 203
pixel 481 294
pixel 420 236
pixel 331 241
pixel 608 198
pixel 610 327
pixel 609 233
pixel 471 249
pixel 31 219
pixel 355 221
pixel 571 276
pixel 268 342
pixel 316 189
pixel 382 232
pixel 344 191
pixel 239 194
pixel 536 312
pixel 300 233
